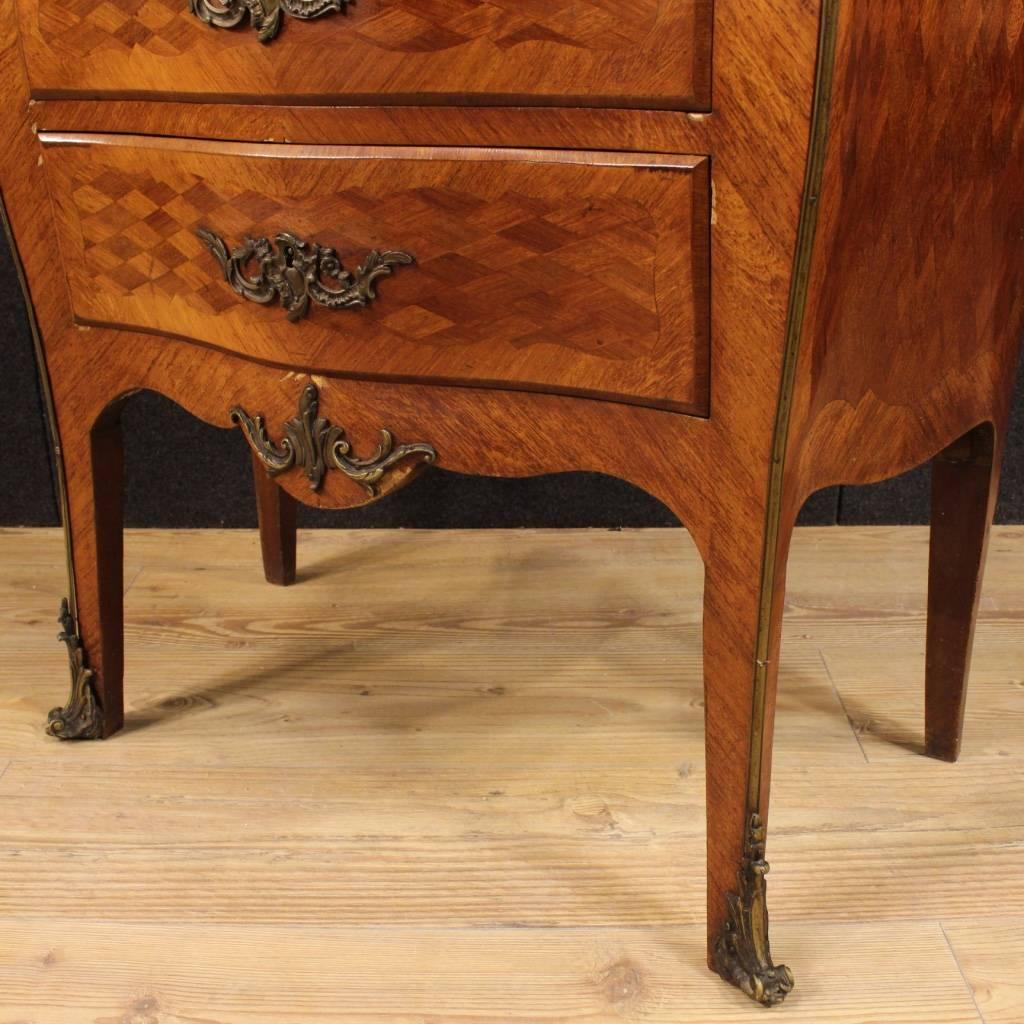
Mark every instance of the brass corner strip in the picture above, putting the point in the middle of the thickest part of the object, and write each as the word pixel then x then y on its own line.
pixel 51 411
pixel 806 233
pixel 742 954
pixel 81 717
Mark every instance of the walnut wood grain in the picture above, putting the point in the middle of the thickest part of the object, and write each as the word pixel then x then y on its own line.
pixel 572 272
pixel 651 54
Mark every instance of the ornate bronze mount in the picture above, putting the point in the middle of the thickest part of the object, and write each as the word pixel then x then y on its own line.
pixel 296 272
pixel 265 15
pixel 312 444
pixel 80 718
pixel 742 953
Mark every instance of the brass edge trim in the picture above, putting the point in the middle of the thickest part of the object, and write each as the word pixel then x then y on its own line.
pixel 806 231
pixel 742 951
pixel 51 411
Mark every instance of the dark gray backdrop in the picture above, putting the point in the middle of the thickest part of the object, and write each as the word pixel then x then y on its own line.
pixel 212 486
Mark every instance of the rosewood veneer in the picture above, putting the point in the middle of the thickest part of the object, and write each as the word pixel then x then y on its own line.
pixel 732 252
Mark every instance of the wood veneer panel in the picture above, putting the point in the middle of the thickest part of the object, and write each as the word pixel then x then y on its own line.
pixel 652 54
pixel 916 308
pixel 580 273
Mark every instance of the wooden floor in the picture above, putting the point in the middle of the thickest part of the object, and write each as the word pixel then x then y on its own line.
pixel 457 778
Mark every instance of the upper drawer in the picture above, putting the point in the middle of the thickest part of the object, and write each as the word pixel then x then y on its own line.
pixel 646 54
pixel 567 272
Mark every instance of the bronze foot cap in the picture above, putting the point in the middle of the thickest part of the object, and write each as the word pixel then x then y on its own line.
pixel 81 718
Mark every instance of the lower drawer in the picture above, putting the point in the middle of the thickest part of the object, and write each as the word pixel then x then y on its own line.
pixel 567 272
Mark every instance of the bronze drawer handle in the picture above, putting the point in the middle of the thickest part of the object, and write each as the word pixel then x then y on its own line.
pixel 296 272
pixel 312 444
pixel 265 15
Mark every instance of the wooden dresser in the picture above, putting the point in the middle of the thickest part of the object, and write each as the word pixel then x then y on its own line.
pixel 730 251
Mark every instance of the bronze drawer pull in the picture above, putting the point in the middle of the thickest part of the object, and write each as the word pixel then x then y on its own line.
pixel 265 15
pixel 296 271
pixel 311 443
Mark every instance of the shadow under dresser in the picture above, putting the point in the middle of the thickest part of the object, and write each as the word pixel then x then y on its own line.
pixel 731 252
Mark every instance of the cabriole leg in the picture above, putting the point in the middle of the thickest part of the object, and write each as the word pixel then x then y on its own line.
pixel 740 672
pixel 94 636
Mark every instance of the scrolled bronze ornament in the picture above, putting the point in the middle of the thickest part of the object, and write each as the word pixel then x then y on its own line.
pixel 743 955
pixel 312 444
pixel 265 15
pixel 298 273
pixel 80 718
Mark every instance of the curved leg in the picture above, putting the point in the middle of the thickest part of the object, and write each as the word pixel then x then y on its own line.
pixel 276 509
pixel 741 645
pixel 965 482
pixel 92 625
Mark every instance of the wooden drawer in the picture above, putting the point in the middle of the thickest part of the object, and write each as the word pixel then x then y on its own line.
pixel 655 53
pixel 568 272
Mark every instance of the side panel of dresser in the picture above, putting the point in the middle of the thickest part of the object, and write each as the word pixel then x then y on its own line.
pixel 916 310
pixel 571 272
pixel 916 305
pixel 650 53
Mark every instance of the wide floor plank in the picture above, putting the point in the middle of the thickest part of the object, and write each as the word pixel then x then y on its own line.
pixel 183 974
pixel 988 950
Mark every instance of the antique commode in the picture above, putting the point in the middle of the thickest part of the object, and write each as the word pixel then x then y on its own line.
pixel 731 251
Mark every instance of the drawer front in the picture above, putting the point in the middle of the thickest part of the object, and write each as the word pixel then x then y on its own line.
pixel 655 53
pixel 566 272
